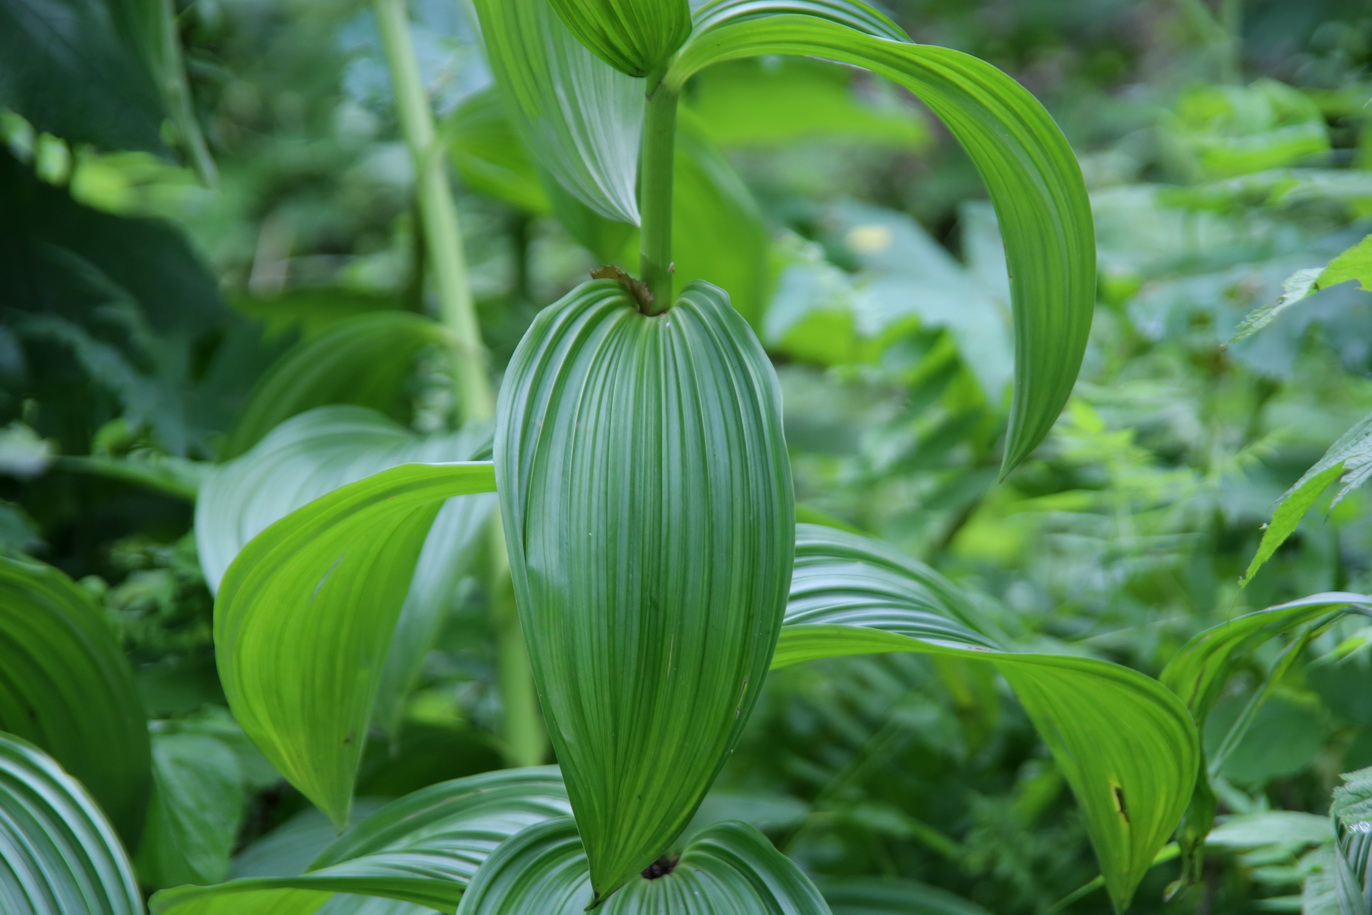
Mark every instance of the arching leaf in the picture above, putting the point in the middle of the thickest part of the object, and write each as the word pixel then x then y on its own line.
pixel 633 36
pixel 58 854
pixel 1125 744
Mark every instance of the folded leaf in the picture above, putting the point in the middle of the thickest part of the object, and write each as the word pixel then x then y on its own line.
pixel 646 495
pixel 634 36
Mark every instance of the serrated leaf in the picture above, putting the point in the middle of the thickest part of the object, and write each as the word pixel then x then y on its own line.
pixel 1295 288
pixel 1035 183
pixel 646 495
pixel 729 867
pixel 633 36
pixel 66 686
pixel 305 613
pixel 59 854
pixel 423 848
pixel 579 117
pixel 1354 264
pixel 1125 745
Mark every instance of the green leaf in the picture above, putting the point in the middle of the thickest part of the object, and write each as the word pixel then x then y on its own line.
pixel 726 868
pixel 66 686
pixel 490 155
pixel 1348 460
pixel 367 361
pixel 634 36
pixel 59 854
pixel 1352 814
pixel 579 118
pixel 1354 264
pixel 1125 745
pixel 646 495
pixel 316 452
pixel 1036 186
pixel 197 805
pixel 423 848
pixel 305 614
pixel 890 896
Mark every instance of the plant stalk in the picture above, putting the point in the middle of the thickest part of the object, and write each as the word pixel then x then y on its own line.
pixel 655 174
pixel 525 743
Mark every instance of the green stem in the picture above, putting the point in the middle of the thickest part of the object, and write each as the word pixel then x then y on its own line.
pixel 524 739
pixel 655 196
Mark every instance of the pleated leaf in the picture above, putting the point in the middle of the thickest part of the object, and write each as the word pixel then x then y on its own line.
pixel 305 613
pixel 423 848
pixel 1352 815
pixel 315 453
pixel 727 868
pixel 634 36
pixel 647 500
pixel 66 686
pixel 58 854
pixel 579 117
pixel 1035 183
pixel 1125 744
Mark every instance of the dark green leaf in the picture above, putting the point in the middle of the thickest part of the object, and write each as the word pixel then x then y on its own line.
pixel 889 896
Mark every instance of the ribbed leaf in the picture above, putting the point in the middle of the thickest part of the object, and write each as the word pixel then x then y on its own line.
pixel 1126 746
pixel 728 868
pixel 1352 814
pixel 646 495
pixel 58 855
pixel 367 360
pixel 66 686
pixel 423 848
pixel 305 614
pixel 1035 183
pixel 580 118
pixel 635 36
pixel 315 453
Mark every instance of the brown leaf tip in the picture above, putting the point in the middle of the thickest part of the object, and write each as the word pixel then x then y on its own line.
pixel 636 288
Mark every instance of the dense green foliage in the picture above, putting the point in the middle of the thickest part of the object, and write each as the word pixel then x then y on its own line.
pixel 1033 648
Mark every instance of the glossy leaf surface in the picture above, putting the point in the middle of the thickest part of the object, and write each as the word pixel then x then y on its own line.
pixel 1034 180
pixel 728 868
pixel 58 854
pixel 646 495
pixel 1126 746
pixel 633 36
pixel 304 619
pixel 66 686
pixel 196 808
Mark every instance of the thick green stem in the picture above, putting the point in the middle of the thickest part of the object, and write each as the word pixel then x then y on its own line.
pixel 524 738
pixel 655 196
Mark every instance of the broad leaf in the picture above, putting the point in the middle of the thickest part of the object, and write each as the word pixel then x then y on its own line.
pixel 1035 183
pixel 58 854
pixel 1352 813
pixel 646 495
pixel 580 118
pixel 634 36
pixel 315 453
pixel 1126 746
pixel 66 686
pixel 727 868
pixel 305 614
pixel 423 848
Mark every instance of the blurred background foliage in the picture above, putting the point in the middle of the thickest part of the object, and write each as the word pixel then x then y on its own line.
pixel 206 185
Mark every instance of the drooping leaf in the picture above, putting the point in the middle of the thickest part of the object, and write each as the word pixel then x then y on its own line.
pixel 305 613
pixel 316 452
pixel 1125 745
pixel 66 686
pixel 366 361
pixel 1036 186
pixel 634 36
pixel 646 495
pixel 579 117
pixel 729 867
pixel 58 854
pixel 423 848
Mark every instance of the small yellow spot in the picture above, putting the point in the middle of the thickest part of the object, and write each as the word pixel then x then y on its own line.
pixel 869 239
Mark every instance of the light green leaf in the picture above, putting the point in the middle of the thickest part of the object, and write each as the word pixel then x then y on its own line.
pixel 1354 264
pixel 66 686
pixel 727 868
pixel 490 155
pixel 367 361
pixel 423 848
pixel 305 614
pixel 58 854
pixel 316 452
pixel 580 118
pixel 1295 288
pixel 1125 745
pixel 634 36
pixel 1034 180
pixel 646 495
